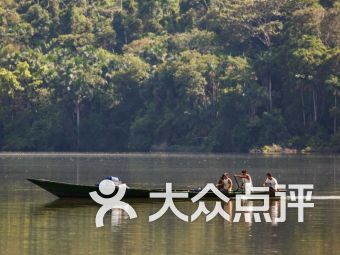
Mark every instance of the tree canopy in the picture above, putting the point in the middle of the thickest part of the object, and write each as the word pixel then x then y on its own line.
pixel 197 75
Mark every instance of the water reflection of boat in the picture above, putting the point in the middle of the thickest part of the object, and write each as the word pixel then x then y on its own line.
pixel 68 190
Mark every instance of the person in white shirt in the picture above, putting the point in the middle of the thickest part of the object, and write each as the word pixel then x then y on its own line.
pixel 271 182
pixel 246 178
pixel 225 183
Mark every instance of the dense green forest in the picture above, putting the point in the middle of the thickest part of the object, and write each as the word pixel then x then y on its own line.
pixel 195 75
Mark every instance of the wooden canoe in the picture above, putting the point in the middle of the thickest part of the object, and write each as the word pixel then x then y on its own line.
pixel 68 190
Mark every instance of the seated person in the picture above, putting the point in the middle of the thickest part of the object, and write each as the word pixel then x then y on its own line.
pixel 225 184
pixel 271 182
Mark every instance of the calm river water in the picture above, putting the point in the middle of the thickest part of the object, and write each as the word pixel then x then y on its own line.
pixel 34 222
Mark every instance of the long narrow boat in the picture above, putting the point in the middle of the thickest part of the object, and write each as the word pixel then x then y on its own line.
pixel 68 190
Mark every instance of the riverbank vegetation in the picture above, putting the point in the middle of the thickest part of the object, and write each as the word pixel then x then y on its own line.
pixel 195 75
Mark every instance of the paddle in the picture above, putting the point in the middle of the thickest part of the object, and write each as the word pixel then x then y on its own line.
pixel 238 185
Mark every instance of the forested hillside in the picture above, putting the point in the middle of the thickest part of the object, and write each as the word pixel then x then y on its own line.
pixel 140 75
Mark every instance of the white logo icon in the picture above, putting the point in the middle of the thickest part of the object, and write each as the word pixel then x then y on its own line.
pixel 107 187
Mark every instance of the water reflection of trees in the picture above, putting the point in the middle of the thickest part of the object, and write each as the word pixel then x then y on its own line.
pixel 69 228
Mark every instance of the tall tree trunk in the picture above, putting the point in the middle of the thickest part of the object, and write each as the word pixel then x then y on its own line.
pixel 206 5
pixel 214 95
pixel 314 105
pixel 270 92
pixel 303 107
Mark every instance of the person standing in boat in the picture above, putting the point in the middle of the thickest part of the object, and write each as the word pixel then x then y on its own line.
pixel 246 178
pixel 225 184
pixel 271 182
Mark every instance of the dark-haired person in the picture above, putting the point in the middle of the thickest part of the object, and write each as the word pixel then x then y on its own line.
pixel 225 183
pixel 246 178
pixel 271 182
